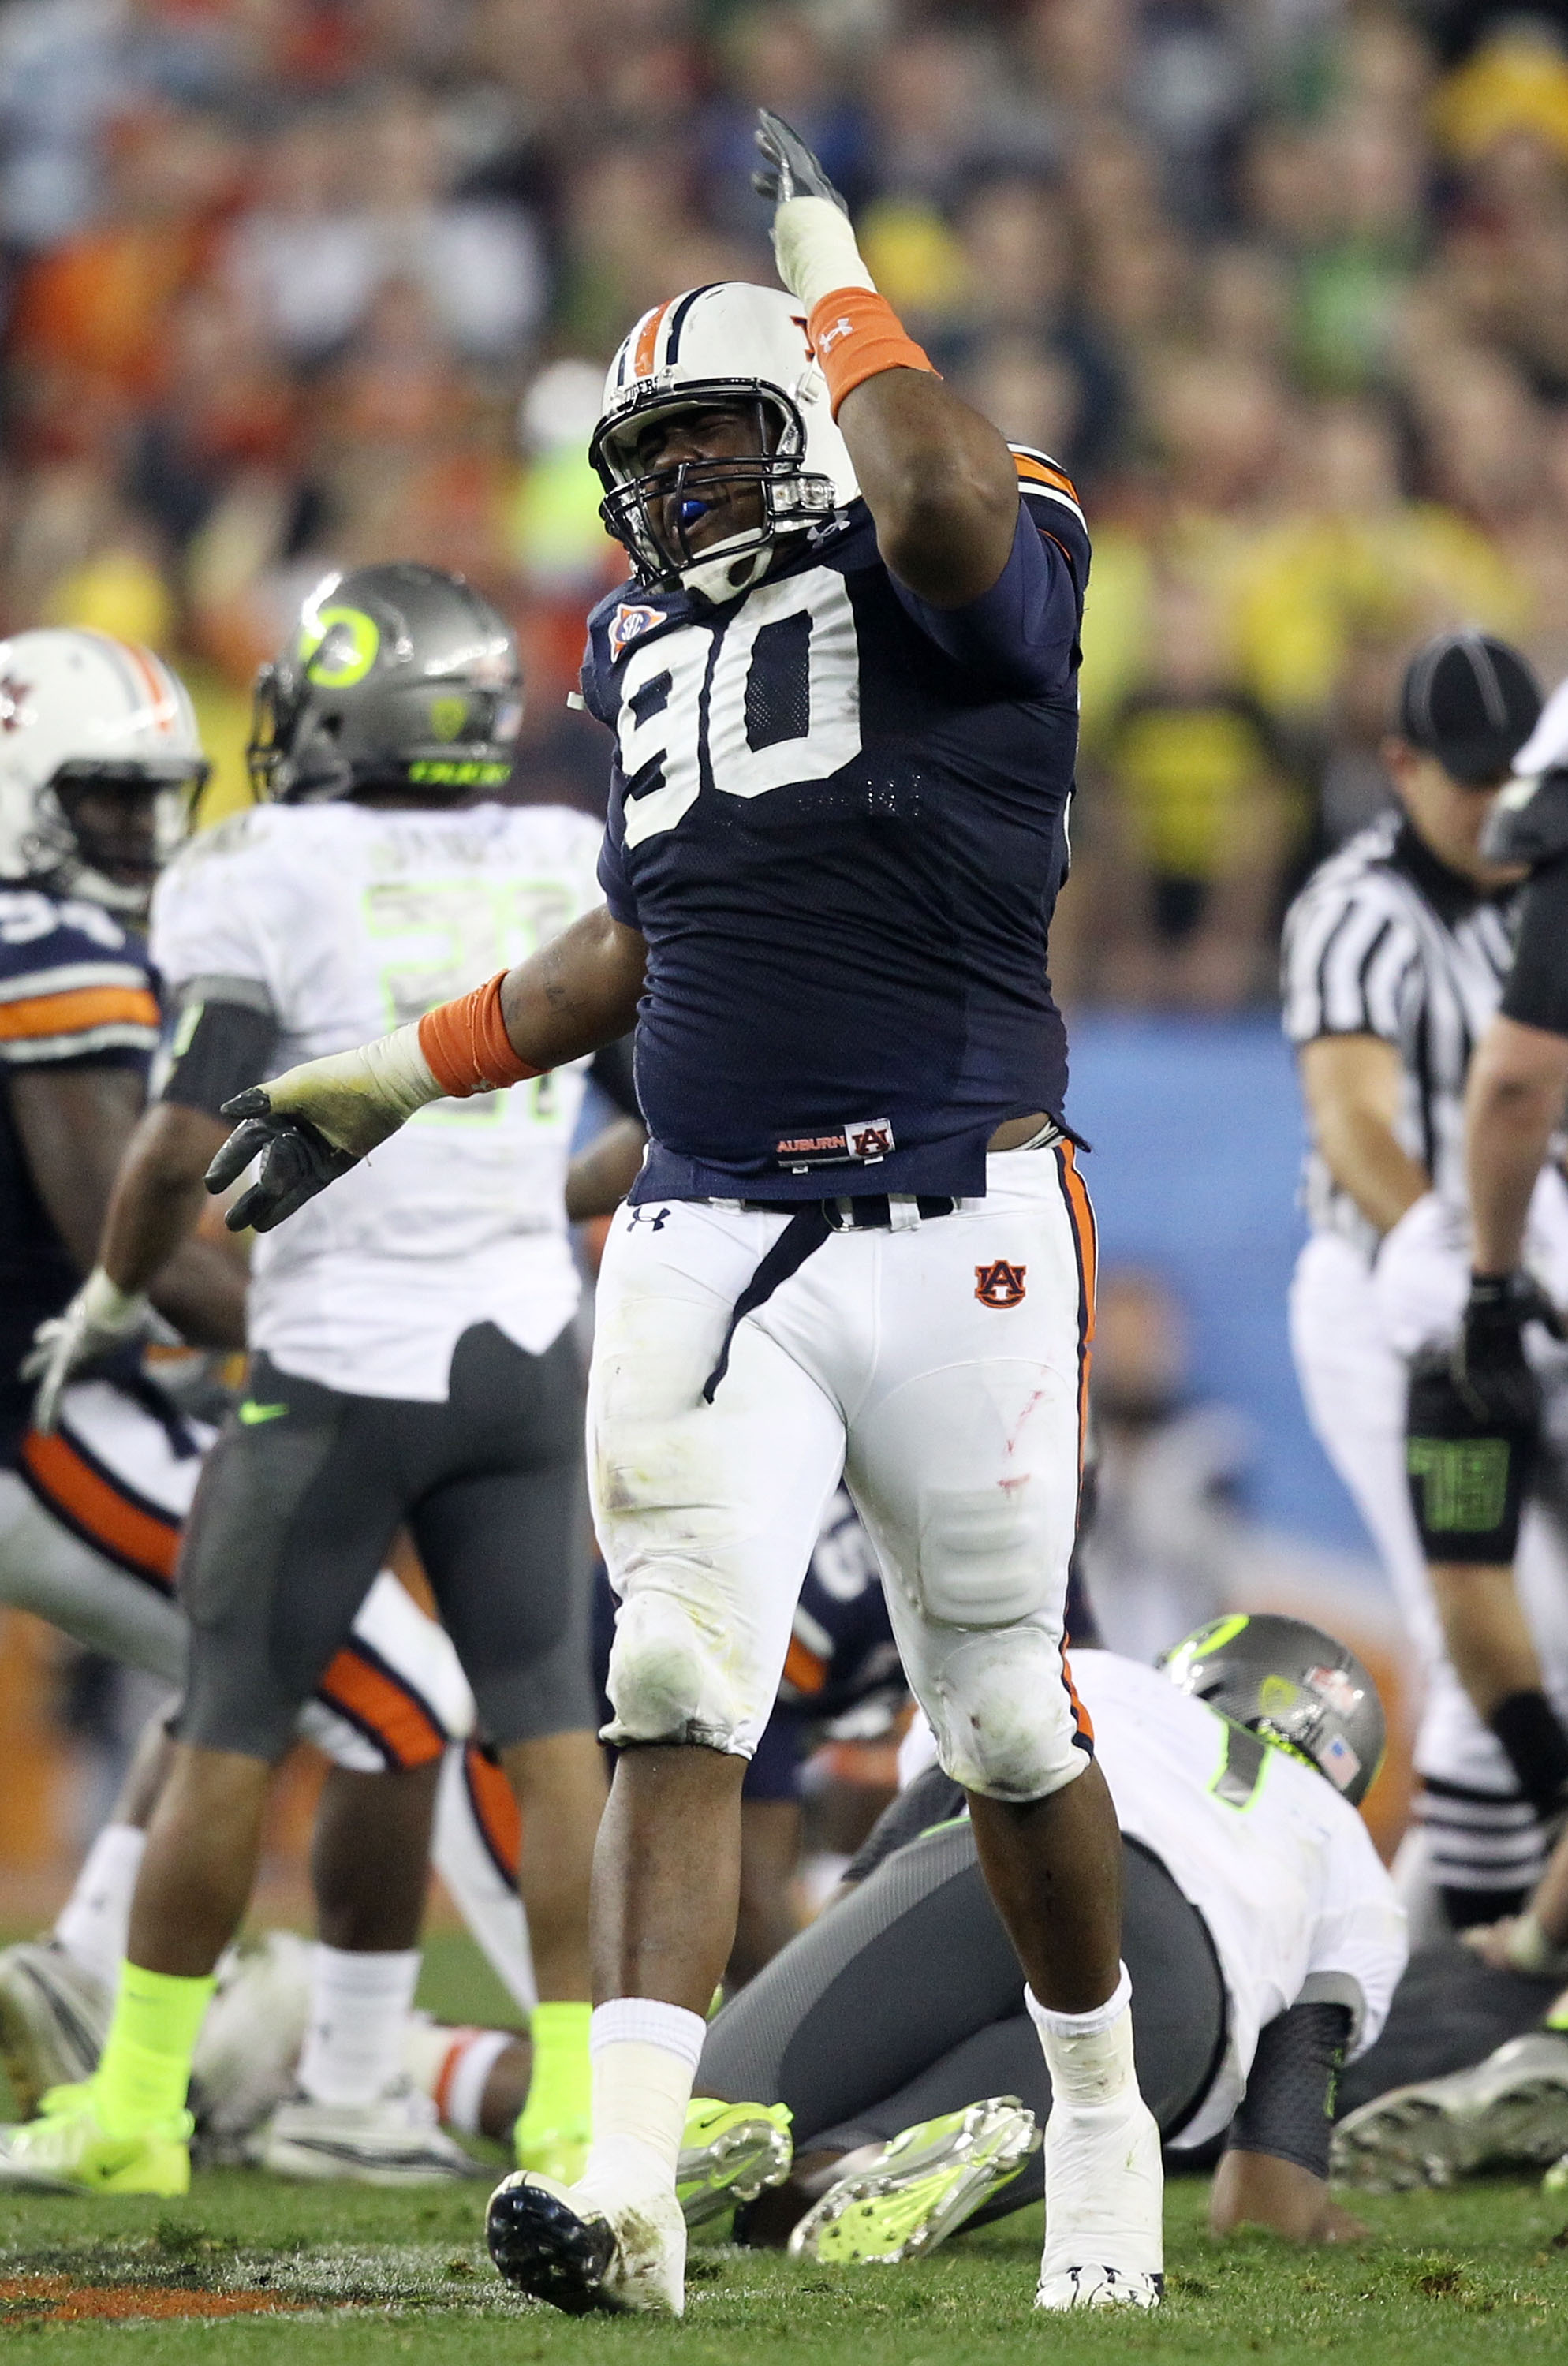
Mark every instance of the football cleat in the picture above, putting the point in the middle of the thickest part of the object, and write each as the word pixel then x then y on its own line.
pixel 65 2151
pixel 920 2188
pixel 559 2154
pixel 729 2154
pixel 248 2052
pixel 578 2251
pixel 54 2016
pixel 1099 2288
pixel 1511 2108
pixel 394 2141
pixel 1104 2196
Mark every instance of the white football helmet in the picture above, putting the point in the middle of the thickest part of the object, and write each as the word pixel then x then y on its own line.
pixel 727 343
pixel 80 711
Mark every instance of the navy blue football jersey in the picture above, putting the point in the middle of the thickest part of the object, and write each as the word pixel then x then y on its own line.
pixel 75 986
pixel 839 818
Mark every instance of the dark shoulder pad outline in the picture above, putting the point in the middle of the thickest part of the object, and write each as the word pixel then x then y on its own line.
pixel 1529 821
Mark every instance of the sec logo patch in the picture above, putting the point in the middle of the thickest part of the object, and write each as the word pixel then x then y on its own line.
pixel 1000 1284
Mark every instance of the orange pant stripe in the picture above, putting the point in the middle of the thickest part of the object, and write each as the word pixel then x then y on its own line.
pixel 93 1508
pixel 496 1811
pixel 361 1687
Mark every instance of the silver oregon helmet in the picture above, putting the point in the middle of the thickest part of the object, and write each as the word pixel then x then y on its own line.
pixel 1293 1685
pixel 395 675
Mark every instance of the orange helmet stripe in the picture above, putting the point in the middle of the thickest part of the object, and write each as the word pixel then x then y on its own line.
pixel 648 339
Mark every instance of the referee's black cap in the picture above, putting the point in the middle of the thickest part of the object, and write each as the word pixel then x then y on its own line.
pixel 1471 702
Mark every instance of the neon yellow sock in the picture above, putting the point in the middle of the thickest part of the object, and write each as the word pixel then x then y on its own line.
pixel 144 2069
pixel 560 2087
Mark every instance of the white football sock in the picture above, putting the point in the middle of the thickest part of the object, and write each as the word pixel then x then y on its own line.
pixel 644 2055
pixel 359 2009
pixel 1088 2055
pixel 97 1916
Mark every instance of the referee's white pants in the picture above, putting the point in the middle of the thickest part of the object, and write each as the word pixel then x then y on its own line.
pixel 952 1411
pixel 1355 1388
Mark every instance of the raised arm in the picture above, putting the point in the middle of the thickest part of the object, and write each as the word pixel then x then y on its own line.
pixel 314 1122
pixel 937 479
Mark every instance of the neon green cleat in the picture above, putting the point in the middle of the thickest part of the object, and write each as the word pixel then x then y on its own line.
pixel 559 2153
pixel 729 2154
pixel 65 2151
pixel 920 2188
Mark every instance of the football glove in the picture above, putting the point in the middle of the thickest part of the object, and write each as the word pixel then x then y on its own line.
pixel 814 246
pixel 791 169
pixel 1489 1366
pixel 1468 1469
pixel 315 1122
pixel 100 1319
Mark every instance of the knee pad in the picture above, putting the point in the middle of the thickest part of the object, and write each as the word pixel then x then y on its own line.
pixel 986 1557
pixel 1006 1720
pixel 675 1676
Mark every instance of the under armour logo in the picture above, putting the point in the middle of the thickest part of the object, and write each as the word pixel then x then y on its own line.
pixel 1000 1284
pixel 653 1216
pixel 833 332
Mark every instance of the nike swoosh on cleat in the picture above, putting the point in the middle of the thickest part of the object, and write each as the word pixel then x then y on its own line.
pixel 251 1412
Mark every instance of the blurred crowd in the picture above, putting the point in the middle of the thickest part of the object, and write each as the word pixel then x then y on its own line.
pixel 290 284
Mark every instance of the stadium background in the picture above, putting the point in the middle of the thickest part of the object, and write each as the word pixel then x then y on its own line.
pixel 290 284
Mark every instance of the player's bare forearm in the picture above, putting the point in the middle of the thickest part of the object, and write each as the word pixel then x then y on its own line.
pixel 939 482
pixel 600 1177
pixel 1258 2189
pixel 1514 1103
pixel 1352 1085
pixel 149 1240
pixel 75 1125
pixel 577 994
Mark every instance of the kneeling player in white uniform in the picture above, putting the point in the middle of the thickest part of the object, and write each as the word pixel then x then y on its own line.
pixel 1264 1930
pixel 843 692
pixel 413 1358
pixel 1395 955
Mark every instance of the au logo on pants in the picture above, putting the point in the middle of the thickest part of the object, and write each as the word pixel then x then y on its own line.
pixel 999 1283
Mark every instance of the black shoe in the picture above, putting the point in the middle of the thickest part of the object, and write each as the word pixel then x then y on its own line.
pixel 543 2248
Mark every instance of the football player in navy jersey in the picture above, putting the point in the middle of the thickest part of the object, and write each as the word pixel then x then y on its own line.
pixel 843 687
pixel 97 746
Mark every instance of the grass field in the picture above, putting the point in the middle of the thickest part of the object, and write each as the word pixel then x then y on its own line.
pixel 348 2275
pixel 249 2272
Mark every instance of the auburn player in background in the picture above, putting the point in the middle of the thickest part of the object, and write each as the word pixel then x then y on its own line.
pixel 844 691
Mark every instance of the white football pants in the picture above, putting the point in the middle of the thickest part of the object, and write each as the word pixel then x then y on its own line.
pixel 939 1368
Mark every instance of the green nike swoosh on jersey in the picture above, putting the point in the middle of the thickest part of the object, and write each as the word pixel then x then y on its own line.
pixel 251 1412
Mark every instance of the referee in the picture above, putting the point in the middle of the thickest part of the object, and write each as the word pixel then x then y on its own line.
pixel 1395 955
pixel 1485 1401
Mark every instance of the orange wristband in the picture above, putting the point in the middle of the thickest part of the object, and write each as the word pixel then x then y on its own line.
pixel 468 1046
pixel 856 334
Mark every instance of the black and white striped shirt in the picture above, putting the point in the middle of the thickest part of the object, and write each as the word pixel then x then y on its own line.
pixel 1384 940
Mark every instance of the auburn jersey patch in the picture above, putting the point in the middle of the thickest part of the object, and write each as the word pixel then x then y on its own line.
pixel 1000 1284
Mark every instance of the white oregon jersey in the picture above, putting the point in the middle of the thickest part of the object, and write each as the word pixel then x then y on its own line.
pixel 1286 1877
pixel 343 922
